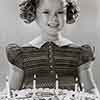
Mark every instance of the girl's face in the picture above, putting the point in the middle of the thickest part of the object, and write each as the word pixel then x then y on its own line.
pixel 50 16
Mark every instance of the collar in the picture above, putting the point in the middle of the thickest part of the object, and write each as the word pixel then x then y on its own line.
pixel 38 42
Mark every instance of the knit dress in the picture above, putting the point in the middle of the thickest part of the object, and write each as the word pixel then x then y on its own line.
pixel 48 61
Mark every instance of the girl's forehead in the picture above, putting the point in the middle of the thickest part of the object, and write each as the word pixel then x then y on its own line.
pixel 49 4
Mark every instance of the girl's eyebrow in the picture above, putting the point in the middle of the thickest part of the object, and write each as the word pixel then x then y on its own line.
pixel 63 7
pixel 43 9
pixel 46 9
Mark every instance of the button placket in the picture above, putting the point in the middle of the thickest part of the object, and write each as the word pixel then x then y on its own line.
pixel 50 55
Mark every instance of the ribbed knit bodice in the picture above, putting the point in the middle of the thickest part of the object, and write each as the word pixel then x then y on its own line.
pixel 48 61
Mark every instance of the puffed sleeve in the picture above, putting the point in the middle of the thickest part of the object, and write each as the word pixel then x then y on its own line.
pixel 14 55
pixel 86 57
pixel 87 54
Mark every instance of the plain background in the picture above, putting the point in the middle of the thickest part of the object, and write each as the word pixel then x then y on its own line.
pixel 13 30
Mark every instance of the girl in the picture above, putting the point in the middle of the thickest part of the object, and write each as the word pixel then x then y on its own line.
pixel 50 54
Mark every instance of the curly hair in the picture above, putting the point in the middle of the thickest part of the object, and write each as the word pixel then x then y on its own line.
pixel 28 11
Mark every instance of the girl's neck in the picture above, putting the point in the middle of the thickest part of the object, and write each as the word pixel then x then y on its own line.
pixel 50 37
pixel 40 40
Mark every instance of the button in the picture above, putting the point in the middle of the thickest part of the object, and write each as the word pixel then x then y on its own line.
pixel 50 49
pixel 52 72
pixel 50 52
pixel 51 66
pixel 50 61
pixel 50 46
pixel 50 56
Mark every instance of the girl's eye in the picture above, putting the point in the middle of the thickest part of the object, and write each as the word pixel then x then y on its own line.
pixel 61 12
pixel 45 12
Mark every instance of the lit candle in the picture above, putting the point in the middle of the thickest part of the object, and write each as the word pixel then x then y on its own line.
pixel 34 85
pixel 57 82
pixel 76 89
pixel 8 87
pixel 76 84
pixel 34 82
pixel 14 95
pixel 83 91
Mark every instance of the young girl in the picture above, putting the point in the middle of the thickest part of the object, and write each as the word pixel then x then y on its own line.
pixel 50 54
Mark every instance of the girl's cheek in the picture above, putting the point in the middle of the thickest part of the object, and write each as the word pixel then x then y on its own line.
pixel 61 19
pixel 46 19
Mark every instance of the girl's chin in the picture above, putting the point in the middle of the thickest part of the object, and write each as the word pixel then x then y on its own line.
pixel 53 33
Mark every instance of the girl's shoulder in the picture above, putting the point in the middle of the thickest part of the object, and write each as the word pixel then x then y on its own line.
pixel 86 52
pixel 33 42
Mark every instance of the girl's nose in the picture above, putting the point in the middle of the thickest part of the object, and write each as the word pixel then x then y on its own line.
pixel 53 21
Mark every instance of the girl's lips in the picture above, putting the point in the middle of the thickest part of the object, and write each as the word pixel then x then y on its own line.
pixel 53 25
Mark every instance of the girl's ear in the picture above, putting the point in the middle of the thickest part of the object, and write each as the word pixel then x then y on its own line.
pixel 72 12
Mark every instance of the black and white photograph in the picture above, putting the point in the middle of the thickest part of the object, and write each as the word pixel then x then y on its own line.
pixel 49 50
